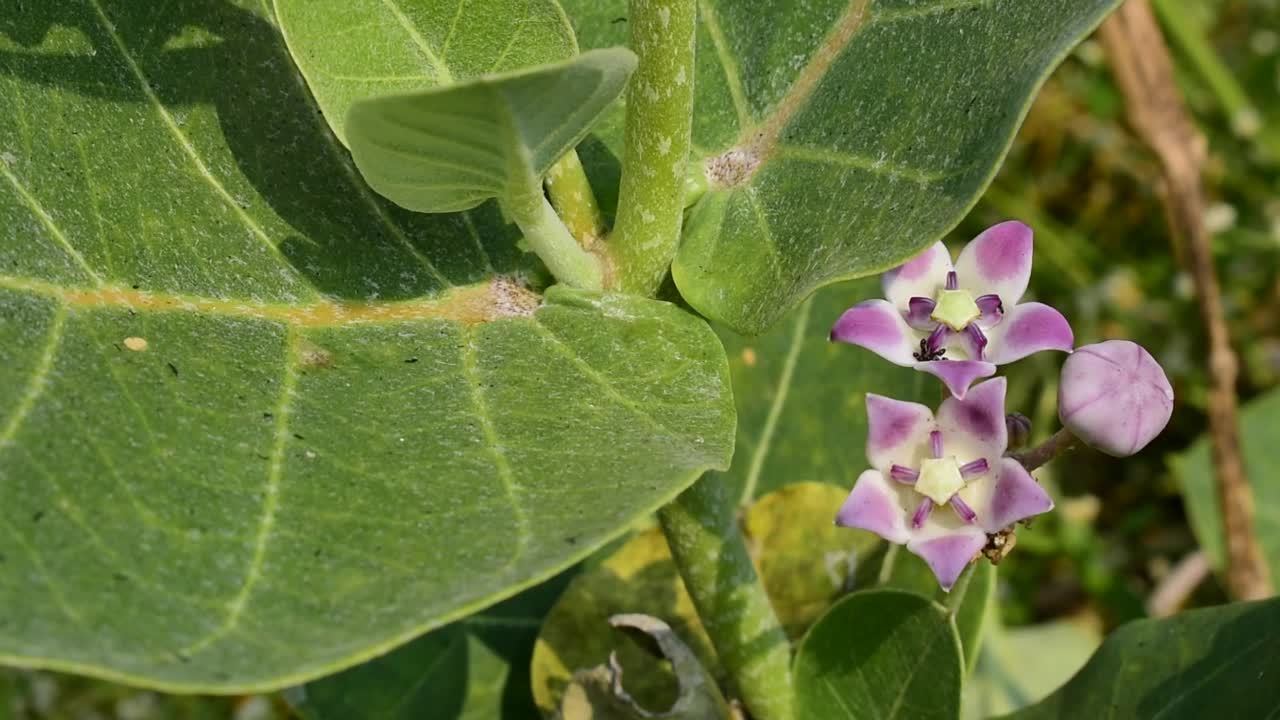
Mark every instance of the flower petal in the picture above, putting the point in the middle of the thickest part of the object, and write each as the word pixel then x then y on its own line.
pixel 1014 495
pixel 878 327
pixel 957 375
pixel 895 431
pixel 973 427
pixel 921 276
pixel 875 505
pixel 1028 328
pixel 997 261
pixel 948 554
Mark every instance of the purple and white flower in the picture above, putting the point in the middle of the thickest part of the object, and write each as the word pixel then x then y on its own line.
pixel 959 321
pixel 940 484
pixel 1114 396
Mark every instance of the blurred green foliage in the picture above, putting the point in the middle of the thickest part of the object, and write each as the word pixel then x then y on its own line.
pixel 1091 191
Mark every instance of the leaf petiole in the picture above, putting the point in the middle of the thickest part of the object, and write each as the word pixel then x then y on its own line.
pixel 548 236
pixel 572 197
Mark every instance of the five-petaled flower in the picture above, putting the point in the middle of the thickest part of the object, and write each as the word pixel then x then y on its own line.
pixel 959 322
pixel 941 485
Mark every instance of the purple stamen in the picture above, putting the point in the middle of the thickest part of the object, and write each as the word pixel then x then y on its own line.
pixel 971 470
pixel 937 338
pixel 953 280
pixel 922 513
pixel 990 306
pixel 935 443
pixel 977 340
pixel 904 475
pixel 919 310
pixel 962 509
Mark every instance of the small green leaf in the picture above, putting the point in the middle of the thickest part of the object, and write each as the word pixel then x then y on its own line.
pixel 882 654
pixel 1260 445
pixel 600 693
pixel 1216 662
pixel 841 137
pixel 452 148
pixel 349 50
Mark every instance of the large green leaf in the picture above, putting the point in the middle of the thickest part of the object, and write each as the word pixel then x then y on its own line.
pixel 802 399
pixel 1260 443
pixel 882 654
pixel 1212 663
pixel 1023 665
pixel 349 50
pixel 453 147
pixel 256 424
pixel 840 137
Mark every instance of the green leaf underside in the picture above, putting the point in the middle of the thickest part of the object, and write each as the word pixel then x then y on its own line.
pixel 845 136
pixel 881 654
pixel 1260 443
pixel 345 428
pixel 349 50
pixel 1208 663
pixel 451 148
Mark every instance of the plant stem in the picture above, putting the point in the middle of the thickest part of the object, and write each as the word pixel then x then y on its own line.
pixel 1144 71
pixel 702 531
pixel 574 201
pixel 551 240
pixel 659 121
pixel 1057 445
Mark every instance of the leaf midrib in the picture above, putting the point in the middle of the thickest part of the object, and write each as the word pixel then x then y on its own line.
pixel 467 304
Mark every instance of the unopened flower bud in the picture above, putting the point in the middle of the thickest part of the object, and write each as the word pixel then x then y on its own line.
pixel 1019 427
pixel 1114 396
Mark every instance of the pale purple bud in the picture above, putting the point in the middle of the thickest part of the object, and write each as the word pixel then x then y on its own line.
pixel 1114 396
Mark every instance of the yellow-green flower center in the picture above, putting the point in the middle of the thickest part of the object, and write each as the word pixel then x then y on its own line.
pixel 956 309
pixel 939 479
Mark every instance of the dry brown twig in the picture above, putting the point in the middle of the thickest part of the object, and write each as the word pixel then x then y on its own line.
pixel 1144 71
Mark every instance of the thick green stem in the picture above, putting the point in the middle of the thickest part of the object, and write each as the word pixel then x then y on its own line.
pixel 659 119
pixel 547 236
pixel 702 531
pixel 571 196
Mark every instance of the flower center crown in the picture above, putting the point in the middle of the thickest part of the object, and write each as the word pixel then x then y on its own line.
pixel 955 309
pixel 939 479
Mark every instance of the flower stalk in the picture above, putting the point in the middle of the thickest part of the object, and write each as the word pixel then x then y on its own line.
pixel 702 531
pixel 659 122
pixel 574 201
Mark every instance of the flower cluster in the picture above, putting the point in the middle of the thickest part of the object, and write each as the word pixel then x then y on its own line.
pixel 943 485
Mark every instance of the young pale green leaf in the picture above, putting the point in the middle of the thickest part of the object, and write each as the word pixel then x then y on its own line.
pixel 1260 443
pixel 258 425
pixel 349 50
pixel 840 137
pixel 1211 663
pixel 883 654
pixel 453 147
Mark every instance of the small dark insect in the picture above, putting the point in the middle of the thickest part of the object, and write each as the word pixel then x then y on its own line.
pixel 174 368
pixel 924 355
pixel 999 545
pixel 615 21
